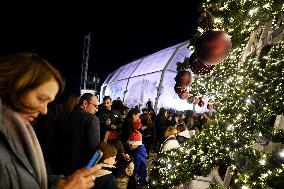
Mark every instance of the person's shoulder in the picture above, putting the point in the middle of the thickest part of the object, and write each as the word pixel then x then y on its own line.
pixel 95 119
pixel 142 150
pixel 105 181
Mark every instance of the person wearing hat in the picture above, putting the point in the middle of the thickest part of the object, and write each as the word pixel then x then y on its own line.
pixel 139 154
pixel 105 179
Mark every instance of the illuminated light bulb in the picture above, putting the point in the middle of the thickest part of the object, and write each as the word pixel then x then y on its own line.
pixel 262 162
pixel 264 175
pixel 169 166
pixel 266 6
pixel 217 20
pixel 230 127
pixel 201 30
pixel 248 101
pixel 245 187
pixel 281 154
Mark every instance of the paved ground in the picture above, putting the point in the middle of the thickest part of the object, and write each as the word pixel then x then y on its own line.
pixel 152 157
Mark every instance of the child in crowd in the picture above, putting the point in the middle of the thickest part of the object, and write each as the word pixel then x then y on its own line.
pixel 125 178
pixel 105 179
pixel 138 152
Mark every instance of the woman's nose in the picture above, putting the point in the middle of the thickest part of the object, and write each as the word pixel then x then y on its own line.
pixel 43 109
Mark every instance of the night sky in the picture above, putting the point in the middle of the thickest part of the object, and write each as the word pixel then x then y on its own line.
pixel 120 33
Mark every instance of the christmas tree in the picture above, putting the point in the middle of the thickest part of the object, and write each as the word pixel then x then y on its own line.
pixel 249 88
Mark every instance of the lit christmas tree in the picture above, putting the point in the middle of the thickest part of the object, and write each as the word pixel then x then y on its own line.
pixel 249 90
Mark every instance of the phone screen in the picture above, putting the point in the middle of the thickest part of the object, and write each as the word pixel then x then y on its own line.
pixel 95 159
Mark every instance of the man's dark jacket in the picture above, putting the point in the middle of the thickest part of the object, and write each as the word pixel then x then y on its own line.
pixel 75 138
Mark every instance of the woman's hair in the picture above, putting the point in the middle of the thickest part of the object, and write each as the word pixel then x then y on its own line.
pixel 162 112
pixel 146 119
pixel 108 150
pixel 171 130
pixel 181 127
pixel 128 124
pixel 119 147
pixel 129 117
pixel 72 102
pixel 22 72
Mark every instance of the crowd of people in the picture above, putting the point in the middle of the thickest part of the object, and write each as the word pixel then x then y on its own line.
pixel 52 150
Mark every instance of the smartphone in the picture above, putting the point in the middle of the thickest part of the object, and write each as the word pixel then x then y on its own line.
pixel 95 159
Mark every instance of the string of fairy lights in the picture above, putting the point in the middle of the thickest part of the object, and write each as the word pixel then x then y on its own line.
pixel 249 94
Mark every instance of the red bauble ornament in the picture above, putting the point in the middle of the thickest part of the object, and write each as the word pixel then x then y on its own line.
pixel 197 66
pixel 213 46
pixel 183 78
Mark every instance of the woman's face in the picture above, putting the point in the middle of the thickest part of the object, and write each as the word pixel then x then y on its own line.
pixel 37 99
pixel 110 160
pixel 136 117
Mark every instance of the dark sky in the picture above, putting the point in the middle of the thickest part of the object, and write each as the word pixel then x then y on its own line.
pixel 120 33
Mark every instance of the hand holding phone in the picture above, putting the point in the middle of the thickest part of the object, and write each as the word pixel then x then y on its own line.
pixel 95 159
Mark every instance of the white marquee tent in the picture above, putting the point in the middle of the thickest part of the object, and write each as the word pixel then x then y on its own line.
pixel 150 77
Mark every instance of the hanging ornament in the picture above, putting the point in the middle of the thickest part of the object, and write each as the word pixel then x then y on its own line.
pixel 213 46
pixel 182 92
pixel 183 78
pixel 197 66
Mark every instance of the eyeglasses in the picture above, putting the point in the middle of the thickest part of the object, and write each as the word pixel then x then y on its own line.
pixel 96 106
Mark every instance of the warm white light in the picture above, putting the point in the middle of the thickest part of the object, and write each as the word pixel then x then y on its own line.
pixel 266 6
pixel 281 154
pixel 262 162
pixel 230 127
pixel 248 101
pixel 217 20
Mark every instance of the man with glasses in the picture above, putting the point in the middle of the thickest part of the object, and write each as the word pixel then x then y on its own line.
pixel 76 136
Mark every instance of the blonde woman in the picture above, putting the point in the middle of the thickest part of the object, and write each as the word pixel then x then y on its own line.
pixel 170 141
